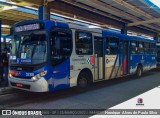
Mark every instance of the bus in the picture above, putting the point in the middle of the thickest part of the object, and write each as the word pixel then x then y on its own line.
pixel 158 54
pixel 48 56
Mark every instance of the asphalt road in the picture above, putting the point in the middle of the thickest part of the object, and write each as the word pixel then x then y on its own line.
pixel 101 95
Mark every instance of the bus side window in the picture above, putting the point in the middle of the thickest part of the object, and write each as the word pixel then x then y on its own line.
pixel 84 44
pixel 140 47
pixel 152 48
pixel 146 48
pixel 133 47
pixel 61 45
pixel 112 45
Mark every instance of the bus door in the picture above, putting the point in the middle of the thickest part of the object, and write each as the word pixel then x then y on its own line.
pixel 99 57
pixel 125 58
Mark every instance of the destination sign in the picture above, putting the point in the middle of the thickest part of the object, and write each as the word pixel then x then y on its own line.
pixel 27 27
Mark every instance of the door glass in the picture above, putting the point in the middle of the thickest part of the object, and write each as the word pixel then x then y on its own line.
pixel 98 46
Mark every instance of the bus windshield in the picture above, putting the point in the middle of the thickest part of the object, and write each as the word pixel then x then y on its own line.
pixel 29 49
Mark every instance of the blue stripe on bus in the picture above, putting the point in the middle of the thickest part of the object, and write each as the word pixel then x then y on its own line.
pixel 113 67
pixel 61 79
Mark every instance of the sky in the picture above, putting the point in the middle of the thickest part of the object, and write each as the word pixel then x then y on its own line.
pixel 156 2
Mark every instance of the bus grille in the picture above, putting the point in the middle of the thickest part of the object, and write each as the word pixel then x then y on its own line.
pixel 20 77
pixel 24 86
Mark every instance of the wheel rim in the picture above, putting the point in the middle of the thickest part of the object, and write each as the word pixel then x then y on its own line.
pixel 139 72
pixel 83 82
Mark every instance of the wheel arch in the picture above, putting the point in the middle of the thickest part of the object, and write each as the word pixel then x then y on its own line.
pixel 139 70
pixel 140 65
pixel 89 72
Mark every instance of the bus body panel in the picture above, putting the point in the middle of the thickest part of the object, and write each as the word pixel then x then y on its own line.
pixel 81 62
pixel 116 65
pixel 147 60
pixel 60 76
pixel 111 66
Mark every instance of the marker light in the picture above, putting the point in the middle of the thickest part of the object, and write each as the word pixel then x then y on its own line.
pixel 43 73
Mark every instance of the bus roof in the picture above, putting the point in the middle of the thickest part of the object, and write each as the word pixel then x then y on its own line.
pixel 105 32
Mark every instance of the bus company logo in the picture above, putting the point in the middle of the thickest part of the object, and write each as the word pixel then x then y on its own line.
pixel 139 102
pixel 6 112
pixel 110 60
pixel 107 60
pixel 90 60
pixel 18 60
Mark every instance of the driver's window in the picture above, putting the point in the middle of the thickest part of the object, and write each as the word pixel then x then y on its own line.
pixel 61 45
pixel 112 45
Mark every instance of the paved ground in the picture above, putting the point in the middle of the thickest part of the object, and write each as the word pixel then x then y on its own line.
pixel 102 95
pixel 3 83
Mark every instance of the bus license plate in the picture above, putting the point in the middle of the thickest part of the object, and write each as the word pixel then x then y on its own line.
pixel 19 85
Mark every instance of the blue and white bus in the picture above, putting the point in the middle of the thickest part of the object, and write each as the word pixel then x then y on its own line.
pixel 49 55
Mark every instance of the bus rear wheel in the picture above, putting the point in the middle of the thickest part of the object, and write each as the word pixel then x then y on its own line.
pixel 139 71
pixel 83 82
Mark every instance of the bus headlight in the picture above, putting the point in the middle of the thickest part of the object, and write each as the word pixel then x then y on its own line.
pixel 34 78
pixel 10 75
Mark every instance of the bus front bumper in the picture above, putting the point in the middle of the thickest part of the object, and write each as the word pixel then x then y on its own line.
pixel 40 85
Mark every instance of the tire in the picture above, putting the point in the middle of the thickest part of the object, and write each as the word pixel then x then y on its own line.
pixel 139 71
pixel 83 82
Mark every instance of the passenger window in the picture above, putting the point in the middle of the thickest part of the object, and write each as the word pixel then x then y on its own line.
pixel 146 48
pixel 133 47
pixel 84 45
pixel 112 45
pixel 152 48
pixel 140 48
pixel 61 45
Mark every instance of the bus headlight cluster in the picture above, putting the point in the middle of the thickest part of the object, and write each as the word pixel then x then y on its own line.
pixel 36 77
pixel 43 73
pixel 10 75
